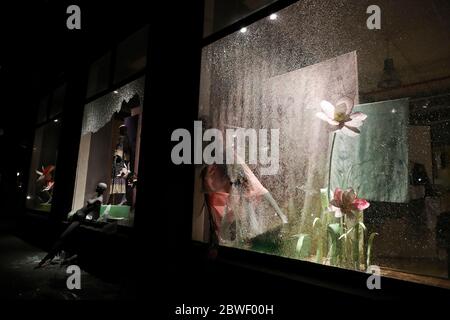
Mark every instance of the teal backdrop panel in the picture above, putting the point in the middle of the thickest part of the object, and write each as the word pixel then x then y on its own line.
pixel 375 163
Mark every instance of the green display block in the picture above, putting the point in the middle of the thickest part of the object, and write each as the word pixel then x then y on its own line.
pixel 46 207
pixel 116 211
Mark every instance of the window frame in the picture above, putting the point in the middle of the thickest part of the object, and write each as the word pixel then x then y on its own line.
pixel 324 276
pixel 111 87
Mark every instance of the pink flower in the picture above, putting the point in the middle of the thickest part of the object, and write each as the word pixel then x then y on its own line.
pixel 340 117
pixel 347 202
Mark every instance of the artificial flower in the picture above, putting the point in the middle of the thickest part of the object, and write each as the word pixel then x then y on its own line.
pixel 340 117
pixel 347 202
pixel 46 173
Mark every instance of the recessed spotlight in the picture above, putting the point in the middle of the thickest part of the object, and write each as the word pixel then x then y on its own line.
pixel 28 197
pixel 116 92
pixel 56 121
pixel 18 174
pixel 394 110
pixel 243 30
pixel 273 16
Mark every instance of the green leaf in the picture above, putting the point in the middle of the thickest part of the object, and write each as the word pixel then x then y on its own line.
pixel 345 235
pixel 334 230
pixel 363 226
pixel 300 241
pixel 316 221
pixel 369 248
pixel 324 198
pixel 319 253
pixel 303 245
pixel 356 255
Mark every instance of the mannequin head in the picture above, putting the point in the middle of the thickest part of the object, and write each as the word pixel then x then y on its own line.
pixel 101 187
pixel 122 130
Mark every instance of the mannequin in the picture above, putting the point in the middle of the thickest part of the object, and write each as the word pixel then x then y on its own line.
pixel 120 169
pixel 89 212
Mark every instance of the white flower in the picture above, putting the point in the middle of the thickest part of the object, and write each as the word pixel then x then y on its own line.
pixel 340 117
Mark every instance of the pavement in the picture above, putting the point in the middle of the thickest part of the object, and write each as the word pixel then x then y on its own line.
pixel 20 281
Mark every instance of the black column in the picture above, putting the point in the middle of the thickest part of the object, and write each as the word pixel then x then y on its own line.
pixel 165 191
pixel 69 143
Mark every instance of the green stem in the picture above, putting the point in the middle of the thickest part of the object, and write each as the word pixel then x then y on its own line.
pixel 356 247
pixel 329 167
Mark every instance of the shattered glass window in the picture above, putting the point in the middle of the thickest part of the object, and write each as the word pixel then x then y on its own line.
pixel 360 151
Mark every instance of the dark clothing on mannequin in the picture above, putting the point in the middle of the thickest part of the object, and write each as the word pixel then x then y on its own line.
pixel 92 209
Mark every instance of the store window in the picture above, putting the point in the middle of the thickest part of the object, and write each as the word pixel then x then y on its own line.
pixel 45 151
pixel 363 119
pixel 109 152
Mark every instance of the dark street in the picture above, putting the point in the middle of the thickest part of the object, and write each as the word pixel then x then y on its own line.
pixel 19 279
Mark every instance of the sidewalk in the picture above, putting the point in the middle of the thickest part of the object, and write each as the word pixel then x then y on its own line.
pixel 19 280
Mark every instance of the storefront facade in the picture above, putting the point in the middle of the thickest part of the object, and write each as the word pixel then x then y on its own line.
pixel 362 117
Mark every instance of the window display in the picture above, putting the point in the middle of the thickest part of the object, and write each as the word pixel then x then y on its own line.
pixel 109 152
pixel 91 211
pixel 43 161
pixel 362 145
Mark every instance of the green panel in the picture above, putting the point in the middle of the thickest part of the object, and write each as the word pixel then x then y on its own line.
pixel 116 211
pixel 375 163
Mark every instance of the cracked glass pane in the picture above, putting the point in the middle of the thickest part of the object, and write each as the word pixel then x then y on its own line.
pixel 363 120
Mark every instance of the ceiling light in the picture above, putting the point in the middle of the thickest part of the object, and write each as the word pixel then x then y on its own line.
pixel 273 16
pixel 243 30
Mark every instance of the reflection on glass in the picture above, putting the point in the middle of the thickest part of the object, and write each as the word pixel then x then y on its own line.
pixel 363 169
pixel 109 152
